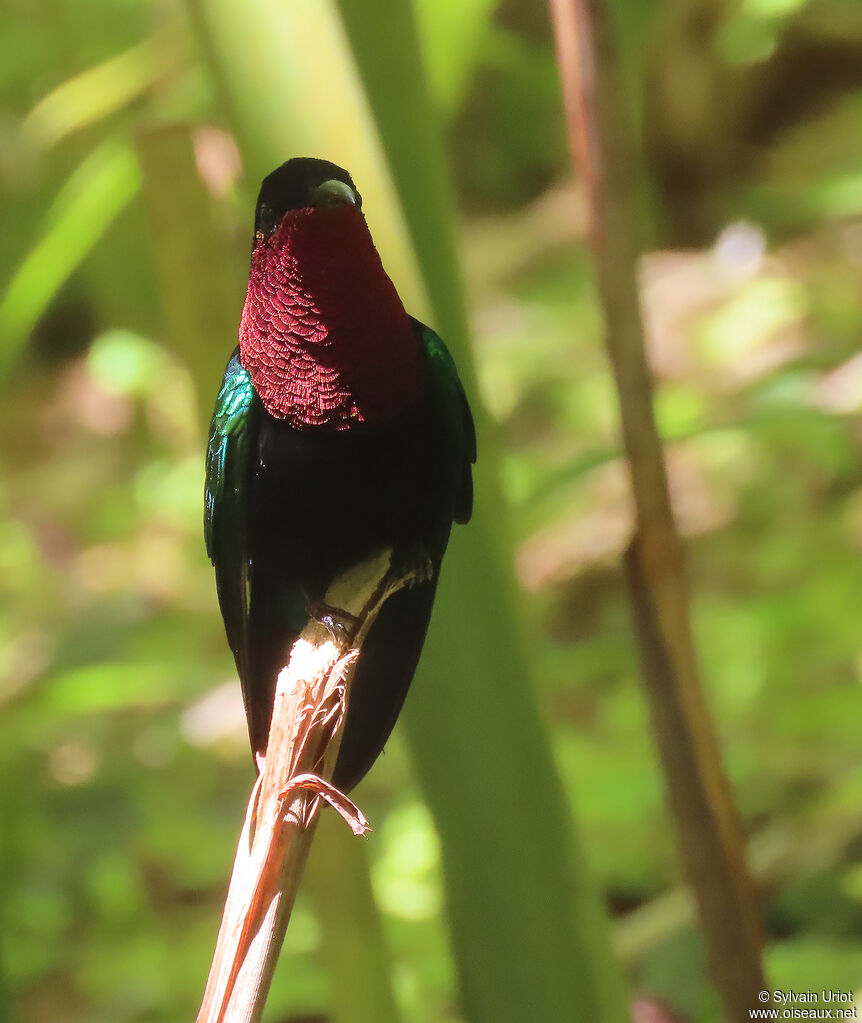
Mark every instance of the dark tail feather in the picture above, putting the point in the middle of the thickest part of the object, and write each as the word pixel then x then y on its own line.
pixel 276 618
pixel 383 676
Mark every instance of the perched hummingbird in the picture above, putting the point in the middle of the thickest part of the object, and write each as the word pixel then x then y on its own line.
pixel 341 427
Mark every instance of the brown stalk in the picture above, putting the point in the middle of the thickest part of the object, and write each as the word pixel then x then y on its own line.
pixel 708 829
pixel 305 733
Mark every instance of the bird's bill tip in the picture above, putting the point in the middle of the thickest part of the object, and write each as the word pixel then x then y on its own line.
pixel 334 193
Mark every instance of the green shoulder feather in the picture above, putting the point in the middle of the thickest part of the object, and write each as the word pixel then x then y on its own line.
pixel 463 431
pixel 232 429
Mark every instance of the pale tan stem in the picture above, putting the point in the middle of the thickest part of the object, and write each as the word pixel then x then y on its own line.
pixel 305 733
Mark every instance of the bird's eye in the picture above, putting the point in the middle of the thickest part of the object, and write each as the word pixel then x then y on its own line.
pixel 264 221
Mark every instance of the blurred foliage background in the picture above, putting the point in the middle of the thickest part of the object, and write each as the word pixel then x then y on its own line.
pixel 131 149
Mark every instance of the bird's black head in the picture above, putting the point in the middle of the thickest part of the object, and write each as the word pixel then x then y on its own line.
pixel 298 184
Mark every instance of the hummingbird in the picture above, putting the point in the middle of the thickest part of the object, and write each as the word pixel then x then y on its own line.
pixel 341 428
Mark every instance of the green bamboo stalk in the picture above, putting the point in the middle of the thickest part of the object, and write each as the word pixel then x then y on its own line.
pixel 338 881
pixel 529 933
pixel 706 820
pixel 385 46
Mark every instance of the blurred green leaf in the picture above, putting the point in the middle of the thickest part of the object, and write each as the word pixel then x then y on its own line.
pixel 77 218
pixel 95 93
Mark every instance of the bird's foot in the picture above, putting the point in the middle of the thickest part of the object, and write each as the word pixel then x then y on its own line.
pixel 423 569
pixel 413 568
pixel 341 624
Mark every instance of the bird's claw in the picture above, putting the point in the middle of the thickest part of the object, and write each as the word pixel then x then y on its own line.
pixel 423 571
pixel 418 569
pixel 338 800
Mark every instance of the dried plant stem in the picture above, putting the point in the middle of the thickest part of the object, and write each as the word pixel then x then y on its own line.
pixel 310 704
pixel 709 835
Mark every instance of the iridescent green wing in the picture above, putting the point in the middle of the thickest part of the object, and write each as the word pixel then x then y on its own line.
pixel 458 418
pixel 231 440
